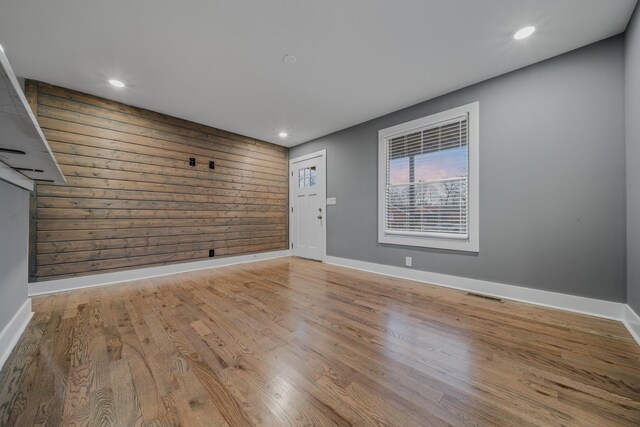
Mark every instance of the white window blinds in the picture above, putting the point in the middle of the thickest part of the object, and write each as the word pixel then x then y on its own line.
pixel 427 177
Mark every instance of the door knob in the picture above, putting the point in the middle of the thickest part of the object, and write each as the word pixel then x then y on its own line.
pixel 319 216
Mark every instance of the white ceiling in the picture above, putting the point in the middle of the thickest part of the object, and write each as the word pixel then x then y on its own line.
pixel 219 62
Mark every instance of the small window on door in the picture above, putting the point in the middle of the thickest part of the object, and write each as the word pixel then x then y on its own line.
pixel 307 177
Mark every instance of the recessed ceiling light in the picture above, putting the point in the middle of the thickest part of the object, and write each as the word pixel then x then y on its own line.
pixel 523 33
pixel 116 83
pixel 289 60
pixel 283 134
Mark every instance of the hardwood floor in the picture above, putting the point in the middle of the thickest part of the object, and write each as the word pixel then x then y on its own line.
pixel 295 342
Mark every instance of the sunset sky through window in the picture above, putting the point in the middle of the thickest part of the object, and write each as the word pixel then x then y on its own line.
pixel 430 166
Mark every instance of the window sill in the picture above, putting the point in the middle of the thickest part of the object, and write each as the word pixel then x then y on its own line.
pixel 465 245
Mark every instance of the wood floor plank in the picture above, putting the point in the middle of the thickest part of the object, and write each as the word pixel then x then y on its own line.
pixel 17 381
pixel 56 346
pixel 295 342
pixel 127 408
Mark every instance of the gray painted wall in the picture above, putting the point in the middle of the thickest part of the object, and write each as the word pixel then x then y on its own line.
pixel 633 160
pixel 552 176
pixel 14 250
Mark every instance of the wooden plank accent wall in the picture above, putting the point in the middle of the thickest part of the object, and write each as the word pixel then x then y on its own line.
pixel 131 198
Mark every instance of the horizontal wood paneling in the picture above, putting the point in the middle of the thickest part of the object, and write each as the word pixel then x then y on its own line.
pixel 131 198
pixel 74 235
pixel 161 121
pixel 59 247
pixel 89 192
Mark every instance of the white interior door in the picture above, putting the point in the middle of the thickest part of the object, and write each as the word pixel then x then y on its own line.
pixel 308 206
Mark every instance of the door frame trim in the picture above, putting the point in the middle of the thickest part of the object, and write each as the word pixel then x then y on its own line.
pixel 323 155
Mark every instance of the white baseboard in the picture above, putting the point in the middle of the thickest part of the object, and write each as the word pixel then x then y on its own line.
pixel 59 285
pixel 632 321
pixel 11 333
pixel 591 306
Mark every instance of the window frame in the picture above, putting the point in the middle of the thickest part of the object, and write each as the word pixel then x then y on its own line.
pixel 471 243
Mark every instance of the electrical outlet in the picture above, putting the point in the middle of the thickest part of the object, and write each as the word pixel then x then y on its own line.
pixel 408 261
pixel 212 164
pixel 192 161
pixel 212 253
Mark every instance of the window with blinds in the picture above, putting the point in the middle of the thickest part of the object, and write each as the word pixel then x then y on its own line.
pixel 426 179
pixel 427 176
